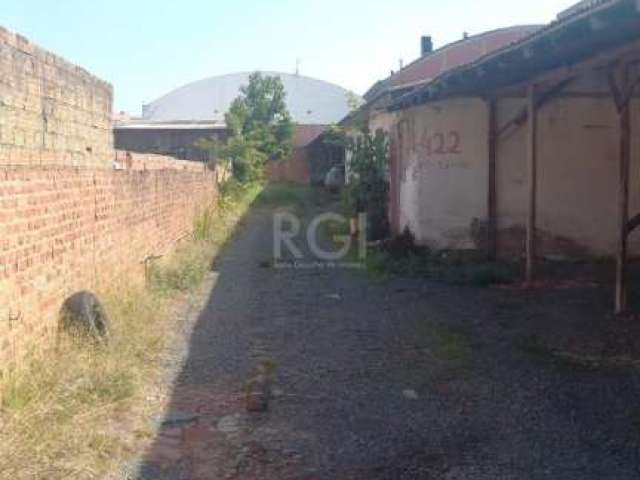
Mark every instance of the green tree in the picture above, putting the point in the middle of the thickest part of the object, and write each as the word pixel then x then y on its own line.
pixel 260 126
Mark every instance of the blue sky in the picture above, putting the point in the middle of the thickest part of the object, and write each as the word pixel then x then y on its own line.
pixel 148 47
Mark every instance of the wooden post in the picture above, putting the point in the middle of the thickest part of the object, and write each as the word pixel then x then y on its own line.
pixel 623 208
pixel 622 92
pixel 532 161
pixel 492 213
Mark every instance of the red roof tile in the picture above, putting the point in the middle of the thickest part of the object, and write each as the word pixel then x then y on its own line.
pixel 459 53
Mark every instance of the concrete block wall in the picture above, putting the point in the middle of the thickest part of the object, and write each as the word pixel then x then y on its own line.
pixel 74 213
pixel 51 111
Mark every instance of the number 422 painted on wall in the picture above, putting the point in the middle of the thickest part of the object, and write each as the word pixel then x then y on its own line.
pixel 441 143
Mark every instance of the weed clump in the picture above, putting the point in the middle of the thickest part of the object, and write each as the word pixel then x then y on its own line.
pixel 452 347
pixel 404 246
pixel 284 195
pixel 403 256
pixel 183 271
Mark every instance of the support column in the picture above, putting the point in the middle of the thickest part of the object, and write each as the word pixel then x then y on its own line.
pixel 623 208
pixel 532 163
pixel 492 210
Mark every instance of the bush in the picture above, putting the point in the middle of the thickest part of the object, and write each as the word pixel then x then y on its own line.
pixel 368 190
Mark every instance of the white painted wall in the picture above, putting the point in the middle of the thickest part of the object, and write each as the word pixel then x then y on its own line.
pixel 578 170
pixel 444 190
pixel 443 154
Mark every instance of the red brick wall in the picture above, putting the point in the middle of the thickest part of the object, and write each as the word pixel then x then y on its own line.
pixel 295 170
pixel 74 213
pixel 147 161
pixel 63 230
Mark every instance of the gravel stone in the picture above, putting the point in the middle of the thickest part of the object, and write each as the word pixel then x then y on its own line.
pixel 487 409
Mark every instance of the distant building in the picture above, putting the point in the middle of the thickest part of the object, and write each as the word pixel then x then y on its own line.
pixel 175 139
pixel 173 123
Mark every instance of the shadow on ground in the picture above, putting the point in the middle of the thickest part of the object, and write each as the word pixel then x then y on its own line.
pixel 391 379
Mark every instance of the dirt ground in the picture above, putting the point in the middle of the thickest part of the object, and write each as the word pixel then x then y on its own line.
pixel 392 378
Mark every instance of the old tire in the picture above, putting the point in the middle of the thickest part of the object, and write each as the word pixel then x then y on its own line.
pixel 83 315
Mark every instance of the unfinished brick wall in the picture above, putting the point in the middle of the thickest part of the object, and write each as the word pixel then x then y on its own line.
pixel 51 111
pixel 75 214
pixel 63 230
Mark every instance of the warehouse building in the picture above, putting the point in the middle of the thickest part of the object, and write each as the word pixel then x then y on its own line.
pixel 172 124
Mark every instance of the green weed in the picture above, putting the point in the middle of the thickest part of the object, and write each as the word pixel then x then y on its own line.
pixel 452 347
pixel 284 195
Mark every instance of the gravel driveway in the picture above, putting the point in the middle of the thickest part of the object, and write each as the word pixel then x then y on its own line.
pixel 384 379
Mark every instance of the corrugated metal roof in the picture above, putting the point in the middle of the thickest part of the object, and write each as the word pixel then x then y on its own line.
pixel 310 101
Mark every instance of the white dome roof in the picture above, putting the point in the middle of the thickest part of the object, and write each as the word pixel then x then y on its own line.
pixel 310 101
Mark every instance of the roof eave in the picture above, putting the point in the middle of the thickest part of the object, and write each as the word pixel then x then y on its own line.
pixel 604 26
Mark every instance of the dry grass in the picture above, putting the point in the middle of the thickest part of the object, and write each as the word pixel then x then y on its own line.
pixel 60 413
pixel 81 411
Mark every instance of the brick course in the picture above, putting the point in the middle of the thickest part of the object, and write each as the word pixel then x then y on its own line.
pixel 63 230
pixel 74 213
